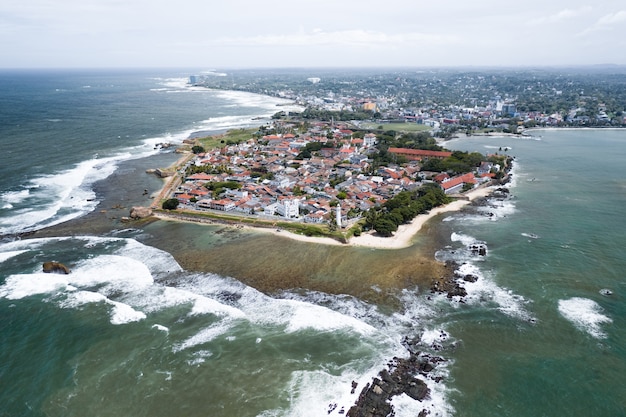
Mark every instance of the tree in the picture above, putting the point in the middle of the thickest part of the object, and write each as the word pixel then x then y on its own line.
pixel 170 204
pixel 385 226
pixel 196 149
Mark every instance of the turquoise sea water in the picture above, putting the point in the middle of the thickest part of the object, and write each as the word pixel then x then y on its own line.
pixel 547 342
pixel 130 332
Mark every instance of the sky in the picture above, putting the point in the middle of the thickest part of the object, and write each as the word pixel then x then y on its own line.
pixel 223 34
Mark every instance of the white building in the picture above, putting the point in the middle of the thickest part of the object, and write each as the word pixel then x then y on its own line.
pixel 369 140
pixel 289 208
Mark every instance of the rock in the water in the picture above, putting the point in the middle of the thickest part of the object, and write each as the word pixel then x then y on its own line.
pixel 478 249
pixel 140 212
pixel 606 291
pixel 470 278
pixel 55 267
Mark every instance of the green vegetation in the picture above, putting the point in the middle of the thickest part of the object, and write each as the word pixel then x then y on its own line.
pixel 398 127
pixel 196 149
pixel 208 169
pixel 170 204
pixel 232 137
pixel 218 187
pixel 403 208
pixel 458 163
pixel 308 150
pixel 305 229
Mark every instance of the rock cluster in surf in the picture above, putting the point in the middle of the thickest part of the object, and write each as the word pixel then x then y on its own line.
pixel 399 378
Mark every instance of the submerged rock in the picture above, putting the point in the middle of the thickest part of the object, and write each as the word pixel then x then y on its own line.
pixel 55 267
pixel 606 291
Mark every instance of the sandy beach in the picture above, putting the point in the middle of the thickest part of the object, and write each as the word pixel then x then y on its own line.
pixel 403 236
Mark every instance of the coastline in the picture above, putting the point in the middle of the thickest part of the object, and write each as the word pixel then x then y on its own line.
pixel 401 239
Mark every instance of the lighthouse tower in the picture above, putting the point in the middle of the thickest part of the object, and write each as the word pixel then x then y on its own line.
pixel 338 215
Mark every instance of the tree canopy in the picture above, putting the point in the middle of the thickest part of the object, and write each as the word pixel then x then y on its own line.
pixel 403 208
pixel 170 204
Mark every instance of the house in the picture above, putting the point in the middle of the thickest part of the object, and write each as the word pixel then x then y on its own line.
pixel 455 184
pixel 289 208
pixel 369 140
pixel 223 205
pixel 317 217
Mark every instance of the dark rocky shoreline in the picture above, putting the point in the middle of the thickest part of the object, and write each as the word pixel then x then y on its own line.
pixel 402 376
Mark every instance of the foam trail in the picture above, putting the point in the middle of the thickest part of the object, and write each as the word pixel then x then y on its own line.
pixel 205 335
pixel 120 313
pixel 298 315
pixel 8 255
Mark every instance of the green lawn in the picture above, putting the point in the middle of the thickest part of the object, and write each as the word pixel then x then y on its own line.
pixel 398 127
pixel 232 136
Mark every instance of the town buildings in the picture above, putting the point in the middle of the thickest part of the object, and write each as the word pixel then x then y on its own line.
pixel 268 177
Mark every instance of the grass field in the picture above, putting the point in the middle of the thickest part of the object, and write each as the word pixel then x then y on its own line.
pixel 232 136
pixel 398 127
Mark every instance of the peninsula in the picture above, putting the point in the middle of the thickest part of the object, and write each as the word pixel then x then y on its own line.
pixel 325 182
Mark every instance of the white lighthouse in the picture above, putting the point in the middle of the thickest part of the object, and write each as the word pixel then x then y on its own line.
pixel 338 215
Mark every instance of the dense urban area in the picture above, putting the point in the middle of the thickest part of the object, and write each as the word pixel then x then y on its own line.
pixel 367 150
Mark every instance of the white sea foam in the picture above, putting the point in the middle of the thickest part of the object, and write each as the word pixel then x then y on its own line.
pixel 91 279
pixel 466 240
pixel 17 287
pixel 206 335
pixel 297 315
pixel 435 405
pixel 12 197
pixel 123 313
pixel 120 313
pixel 205 305
pixel 334 399
pixel 585 314
pixel 126 273
pixel 57 198
pixel 113 272
pixel 8 255
pixel 485 291
pixel 161 328
pixel 465 252
pixel 530 235
pixel 245 99
pixel 157 261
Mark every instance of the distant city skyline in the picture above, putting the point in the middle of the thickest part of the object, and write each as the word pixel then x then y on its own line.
pixel 324 33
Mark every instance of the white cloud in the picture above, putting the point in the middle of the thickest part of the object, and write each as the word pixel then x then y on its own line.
pixel 264 32
pixel 613 18
pixel 563 15
pixel 606 22
pixel 355 37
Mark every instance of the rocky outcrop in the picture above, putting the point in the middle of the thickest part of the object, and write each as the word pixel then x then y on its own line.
pixel 163 173
pixel 478 249
pixel 140 212
pixel 470 278
pixel 55 267
pixel 374 400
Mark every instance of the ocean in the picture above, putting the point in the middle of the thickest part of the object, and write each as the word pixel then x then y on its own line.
pixel 132 332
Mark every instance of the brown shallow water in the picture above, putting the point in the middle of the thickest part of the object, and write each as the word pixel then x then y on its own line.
pixel 271 263
pixel 261 260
